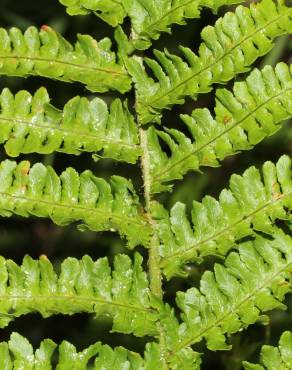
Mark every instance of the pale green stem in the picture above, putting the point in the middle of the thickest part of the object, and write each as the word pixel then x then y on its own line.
pixel 154 258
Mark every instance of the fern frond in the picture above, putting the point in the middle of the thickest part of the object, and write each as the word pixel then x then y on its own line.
pixel 243 118
pixel 229 48
pixel 47 53
pixel 254 280
pixel 150 18
pixel 251 204
pixel 18 353
pixel 279 358
pixel 29 124
pixel 99 205
pixel 83 286
pixel 111 11
pixel 216 4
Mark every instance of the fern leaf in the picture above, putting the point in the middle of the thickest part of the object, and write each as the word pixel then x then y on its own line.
pixel 243 119
pixel 99 205
pixel 216 4
pixel 111 11
pixel 279 358
pixel 29 124
pixel 229 48
pixel 254 280
pixel 251 204
pixel 18 353
pixel 82 286
pixel 150 18
pixel 48 54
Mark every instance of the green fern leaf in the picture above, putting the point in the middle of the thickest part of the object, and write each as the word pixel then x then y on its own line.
pixel 272 358
pixel 111 11
pixel 150 18
pixel 82 286
pixel 48 54
pixel 251 204
pixel 254 280
pixel 29 124
pixel 72 197
pixel 248 228
pixel 243 119
pixel 216 4
pixel 18 353
pixel 229 48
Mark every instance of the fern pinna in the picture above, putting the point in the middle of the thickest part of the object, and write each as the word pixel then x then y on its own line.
pixel 191 273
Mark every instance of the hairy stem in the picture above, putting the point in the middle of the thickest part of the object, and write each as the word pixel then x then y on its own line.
pixel 154 258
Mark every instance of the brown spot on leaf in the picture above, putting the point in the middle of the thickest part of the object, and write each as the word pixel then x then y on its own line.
pixel 45 28
pixel 226 119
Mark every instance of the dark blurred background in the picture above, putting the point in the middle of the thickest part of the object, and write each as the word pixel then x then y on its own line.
pixel 19 236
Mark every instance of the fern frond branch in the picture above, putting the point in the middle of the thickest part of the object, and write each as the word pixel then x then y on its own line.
pixel 55 61
pixel 203 146
pixel 82 286
pixel 219 59
pixel 48 54
pixel 250 36
pixel 73 300
pixel 110 11
pixel 66 132
pixel 223 55
pixel 149 19
pixel 73 197
pixel 262 286
pixel 274 357
pixel 29 124
pixel 251 204
pixel 18 353
pixel 242 110
pixel 107 214
pixel 172 10
pixel 248 217
pixel 254 280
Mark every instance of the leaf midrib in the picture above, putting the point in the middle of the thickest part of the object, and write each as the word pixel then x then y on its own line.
pixel 111 216
pixel 69 132
pixel 165 15
pixel 75 65
pixel 65 297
